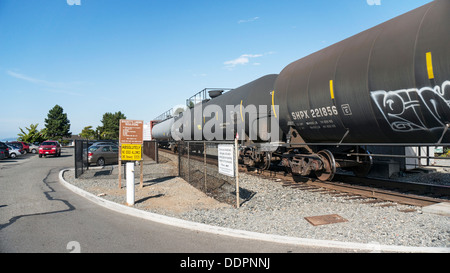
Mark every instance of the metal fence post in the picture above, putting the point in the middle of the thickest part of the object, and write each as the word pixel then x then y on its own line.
pixel 204 162
pixel 87 154
pixel 189 163
pixel 156 152
pixel 75 158
pixel 80 158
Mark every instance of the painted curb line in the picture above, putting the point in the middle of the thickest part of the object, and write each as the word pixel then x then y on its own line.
pixel 166 220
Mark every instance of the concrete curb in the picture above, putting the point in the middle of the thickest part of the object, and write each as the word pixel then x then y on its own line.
pixel 372 247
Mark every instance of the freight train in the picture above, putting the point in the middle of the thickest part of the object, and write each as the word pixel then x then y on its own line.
pixel 389 84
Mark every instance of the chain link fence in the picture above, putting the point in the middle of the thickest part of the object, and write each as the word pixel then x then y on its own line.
pixel 81 157
pixel 198 164
pixel 150 150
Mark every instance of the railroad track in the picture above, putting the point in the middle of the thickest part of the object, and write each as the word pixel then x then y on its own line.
pixel 368 190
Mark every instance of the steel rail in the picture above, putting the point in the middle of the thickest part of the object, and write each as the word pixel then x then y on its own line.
pixel 364 191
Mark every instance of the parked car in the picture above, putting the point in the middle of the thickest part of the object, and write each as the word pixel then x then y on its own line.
pixel 14 151
pixel 33 148
pixel 50 147
pixel 103 154
pixel 4 150
pixel 23 145
pixel 101 143
pixel 15 146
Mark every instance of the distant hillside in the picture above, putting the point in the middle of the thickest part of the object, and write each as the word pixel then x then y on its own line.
pixel 8 139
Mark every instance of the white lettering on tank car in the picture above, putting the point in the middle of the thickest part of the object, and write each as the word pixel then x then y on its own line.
pixel 319 112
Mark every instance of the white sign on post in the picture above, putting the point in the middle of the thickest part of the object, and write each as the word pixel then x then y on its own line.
pixel 226 159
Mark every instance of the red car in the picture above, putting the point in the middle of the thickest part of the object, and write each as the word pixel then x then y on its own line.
pixel 24 145
pixel 50 147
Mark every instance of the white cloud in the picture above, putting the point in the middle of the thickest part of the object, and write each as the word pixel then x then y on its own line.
pixel 26 78
pixel 199 75
pixel 242 60
pixel 64 92
pixel 248 20
pixel 63 87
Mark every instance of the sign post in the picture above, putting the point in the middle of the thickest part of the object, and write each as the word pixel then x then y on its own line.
pixel 130 143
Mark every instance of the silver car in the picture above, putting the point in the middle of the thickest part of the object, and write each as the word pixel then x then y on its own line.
pixel 34 148
pixel 104 154
pixel 14 151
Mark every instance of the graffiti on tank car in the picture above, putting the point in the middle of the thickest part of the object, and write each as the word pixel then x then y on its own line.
pixel 415 109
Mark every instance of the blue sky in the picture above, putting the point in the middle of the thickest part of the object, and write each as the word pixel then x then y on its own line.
pixel 142 57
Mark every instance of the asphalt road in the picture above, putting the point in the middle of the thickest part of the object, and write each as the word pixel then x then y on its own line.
pixel 40 215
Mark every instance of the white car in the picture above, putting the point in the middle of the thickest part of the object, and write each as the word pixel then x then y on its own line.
pixel 13 151
pixel 34 148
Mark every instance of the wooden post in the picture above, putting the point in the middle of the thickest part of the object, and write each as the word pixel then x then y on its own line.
pixel 236 171
pixel 142 169
pixel 120 166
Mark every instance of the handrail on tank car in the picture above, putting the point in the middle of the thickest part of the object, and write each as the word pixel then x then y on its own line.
pixel 202 95
pixel 166 115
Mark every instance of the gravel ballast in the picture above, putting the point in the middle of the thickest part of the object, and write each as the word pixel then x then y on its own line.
pixel 273 209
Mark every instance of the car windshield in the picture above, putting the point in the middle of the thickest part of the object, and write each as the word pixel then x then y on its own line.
pixel 93 148
pixel 48 143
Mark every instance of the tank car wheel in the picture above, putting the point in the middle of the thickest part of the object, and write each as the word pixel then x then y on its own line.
pixel 329 166
pixel 267 161
pixel 173 148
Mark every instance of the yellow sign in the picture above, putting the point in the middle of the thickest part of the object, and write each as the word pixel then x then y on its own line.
pixel 131 152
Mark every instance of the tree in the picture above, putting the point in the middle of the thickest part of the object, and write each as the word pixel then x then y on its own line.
pixel 57 124
pixel 110 128
pixel 88 133
pixel 43 135
pixel 33 135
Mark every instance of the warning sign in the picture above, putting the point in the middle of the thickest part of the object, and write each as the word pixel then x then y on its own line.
pixel 131 152
pixel 226 159
pixel 131 131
